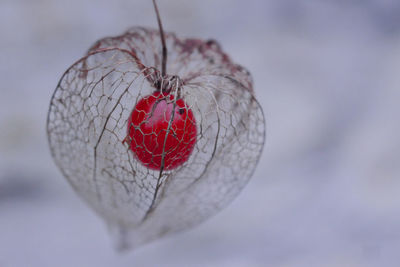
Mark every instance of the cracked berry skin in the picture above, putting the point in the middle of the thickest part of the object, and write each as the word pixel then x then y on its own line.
pixel 159 125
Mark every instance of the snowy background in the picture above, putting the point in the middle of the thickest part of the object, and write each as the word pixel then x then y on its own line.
pixel 327 189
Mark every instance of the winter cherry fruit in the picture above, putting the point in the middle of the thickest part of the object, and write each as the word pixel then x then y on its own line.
pixel 151 136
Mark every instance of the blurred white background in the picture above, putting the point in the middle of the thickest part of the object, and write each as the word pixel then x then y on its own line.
pixel 327 189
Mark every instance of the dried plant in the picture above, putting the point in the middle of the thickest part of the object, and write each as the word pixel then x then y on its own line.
pixel 90 122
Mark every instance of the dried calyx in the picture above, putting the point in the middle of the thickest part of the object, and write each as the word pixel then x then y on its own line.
pixel 154 153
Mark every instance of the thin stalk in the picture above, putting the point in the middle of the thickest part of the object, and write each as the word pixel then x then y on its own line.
pixel 164 47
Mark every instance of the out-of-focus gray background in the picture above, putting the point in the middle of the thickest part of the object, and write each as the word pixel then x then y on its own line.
pixel 327 189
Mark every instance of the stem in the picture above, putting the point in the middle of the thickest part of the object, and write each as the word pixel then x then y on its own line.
pixel 164 47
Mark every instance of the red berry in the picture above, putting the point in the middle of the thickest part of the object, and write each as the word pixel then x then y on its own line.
pixel 149 135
